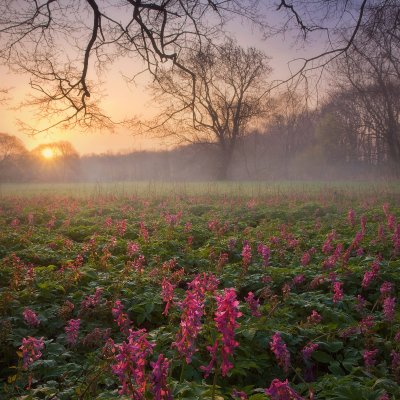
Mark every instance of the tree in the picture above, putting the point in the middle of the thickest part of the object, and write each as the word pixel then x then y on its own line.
pixel 61 44
pixel 228 95
pixel 370 79
pixel 12 151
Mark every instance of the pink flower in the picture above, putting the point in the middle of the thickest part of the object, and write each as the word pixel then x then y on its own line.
pixel 133 248
pixel 120 317
pixel 337 292
pixel 213 350
pixel 92 301
pixel 281 391
pixel 159 375
pixel 167 294
pixel 351 217
pixel 254 305
pixel 308 350
pixel 225 319
pixel 281 352
pixel 31 318
pixel 314 318
pixel 389 306
pixel 72 330
pixel 265 253
pixel 246 255
pixel 305 259
pixel 130 364
pixel 386 289
pixel 369 358
pixel 31 350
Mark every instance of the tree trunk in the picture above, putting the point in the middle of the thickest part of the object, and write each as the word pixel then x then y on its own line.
pixel 223 163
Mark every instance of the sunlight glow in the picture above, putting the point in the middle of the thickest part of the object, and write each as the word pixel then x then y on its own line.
pixel 48 153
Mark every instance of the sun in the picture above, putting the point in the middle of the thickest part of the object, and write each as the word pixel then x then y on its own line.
pixel 48 153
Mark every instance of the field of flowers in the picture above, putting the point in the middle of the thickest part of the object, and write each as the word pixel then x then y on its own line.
pixel 200 296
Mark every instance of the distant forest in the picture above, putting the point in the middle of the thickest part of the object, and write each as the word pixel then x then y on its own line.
pixel 337 142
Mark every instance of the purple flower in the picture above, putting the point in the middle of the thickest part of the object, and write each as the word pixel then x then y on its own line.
pixel 281 391
pixel 389 306
pixel 314 318
pixel 31 318
pixel 31 350
pixel 167 294
pixel 130 363
pixel 246 255
pixel 254 304
pixel 159 375
pixel 278 347
pixel 72 330
pixel 386 288
pixel 265 253
pixel 369 358
pixel 120 317
pixel 308 350
pixel 337 291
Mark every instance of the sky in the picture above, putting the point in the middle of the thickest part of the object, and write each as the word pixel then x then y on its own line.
pixel 124 101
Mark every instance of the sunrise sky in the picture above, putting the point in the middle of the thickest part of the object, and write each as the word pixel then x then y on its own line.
pixel 123 101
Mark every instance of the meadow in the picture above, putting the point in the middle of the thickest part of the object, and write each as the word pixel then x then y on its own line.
pixel 160 291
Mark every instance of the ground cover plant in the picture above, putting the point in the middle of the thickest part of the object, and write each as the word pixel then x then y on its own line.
pixel 279 295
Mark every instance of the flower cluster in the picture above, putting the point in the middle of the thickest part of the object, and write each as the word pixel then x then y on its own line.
pixel 389 306
pixel 226 321
pixel 92 301
pixel 314 318
pixel 72 331
pixel 246 255
pixel 278 347
pixel 31 318
pixel 130 363
pixel 159 374
pixel 265 253
pixel 369 358
pixel 281 391
pixel 308 350
pixel 167 294
pixel 120 317
pixel 337 291
pixel 31 350
pixel 254 304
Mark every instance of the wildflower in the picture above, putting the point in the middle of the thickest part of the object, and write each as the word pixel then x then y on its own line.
pixel 254 304
pixel 308 350
pixel 395 364
pixel 369 358
pixel 337 292
pixel 31 350
pixel 386 289
pixel 360 303
pixel 305 259
pixel 246 255
pixel 159 375
pixel 298 279
pixel 133 248
pixel 265 253
pixel 384 396
pixel 222 260
pixel 314 318
pixel 281 352
pixel 225 318
pixel 167 294
pixel 130 364
pixel 31 318
pixel 389 305
pixel 351 217
pixel 72 330
pixel 281 391
pixel 213 350
pixel 92 301
pixel 120 317
pixel 366 324
pixel 121 227
pixel 190 326
pixel 327 247
pixel 239 395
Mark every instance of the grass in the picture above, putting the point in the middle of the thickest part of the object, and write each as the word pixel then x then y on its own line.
pixel 246 189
